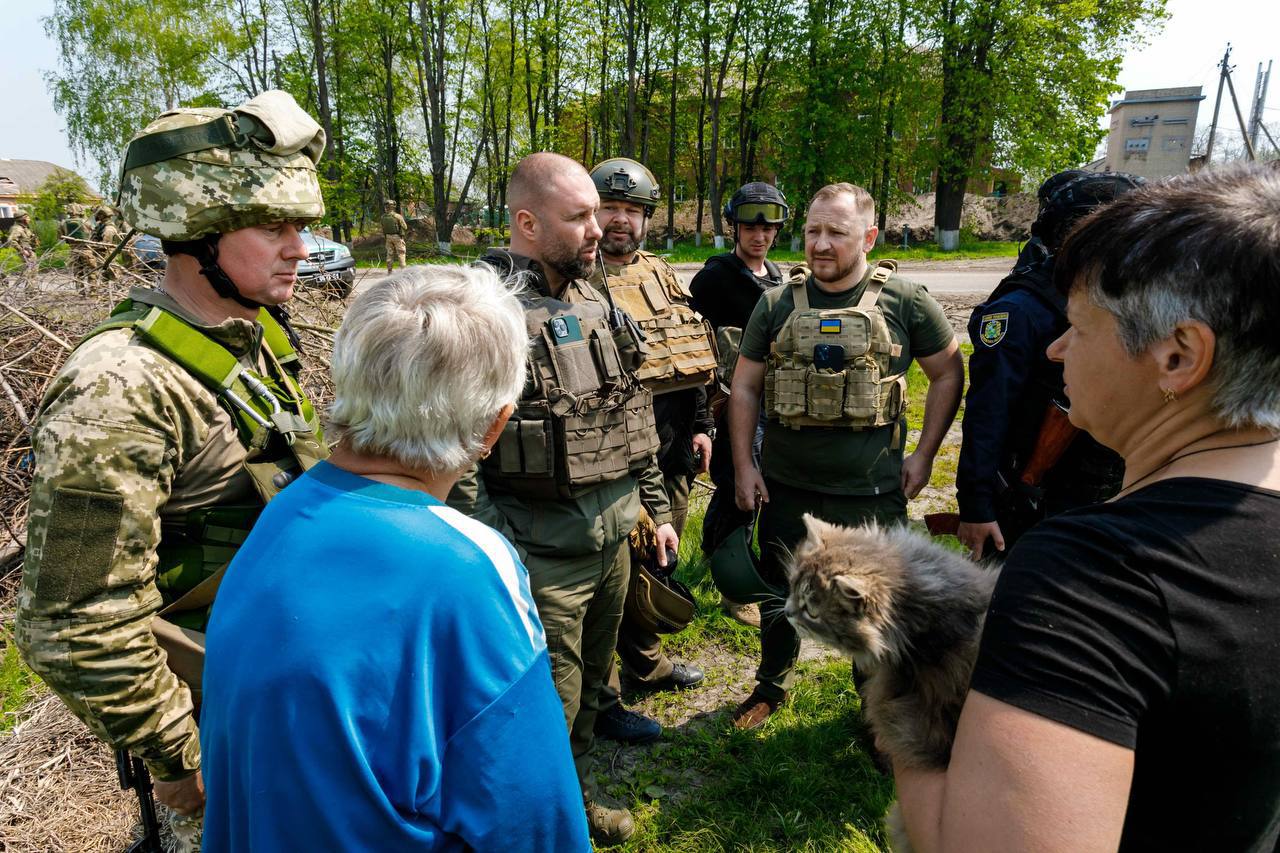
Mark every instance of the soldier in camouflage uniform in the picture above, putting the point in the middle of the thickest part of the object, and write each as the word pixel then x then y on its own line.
pixel 680 365
pixel 23 239
pixel 106 236
pixel 75 233
pixel 576 462
pixel 168 428
pixel 394 230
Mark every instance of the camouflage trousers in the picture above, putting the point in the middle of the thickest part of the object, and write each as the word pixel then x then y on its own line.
pixel 187 832
pixel 394 244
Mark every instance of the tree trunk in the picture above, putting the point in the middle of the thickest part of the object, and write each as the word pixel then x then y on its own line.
pixel 671 127
pixel 713 165
pixel 629 114
pixel 701 170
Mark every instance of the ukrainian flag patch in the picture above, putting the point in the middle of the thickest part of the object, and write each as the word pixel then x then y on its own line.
pixel 829 326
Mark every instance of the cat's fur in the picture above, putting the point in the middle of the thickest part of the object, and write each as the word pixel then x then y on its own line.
pixel 909 612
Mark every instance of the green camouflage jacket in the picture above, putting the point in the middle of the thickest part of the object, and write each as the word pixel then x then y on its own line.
pixel 125 438
pixel 22 238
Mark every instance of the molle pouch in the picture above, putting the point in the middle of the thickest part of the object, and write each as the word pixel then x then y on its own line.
pixel 526 446
pixel 595 447
pixel 575 369
pixel 606 356
pixel 893 397
pixel 629 342
pixel 862 390
pixel 789 391
pixel 642 431
pixel 824 394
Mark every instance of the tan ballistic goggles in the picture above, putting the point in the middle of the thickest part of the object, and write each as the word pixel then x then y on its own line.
pixel 769 212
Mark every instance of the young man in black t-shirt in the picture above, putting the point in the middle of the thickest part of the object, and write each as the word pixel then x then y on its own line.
pixel 725 291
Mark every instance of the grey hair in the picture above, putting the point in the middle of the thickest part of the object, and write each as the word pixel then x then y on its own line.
pixel 1205 247
pixel 424 362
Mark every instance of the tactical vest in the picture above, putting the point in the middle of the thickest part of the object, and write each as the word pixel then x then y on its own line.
pixel 391 225
pixel 862 395
pixel 682 350
pixel 275 423
pixel 583 419
pixel 75 228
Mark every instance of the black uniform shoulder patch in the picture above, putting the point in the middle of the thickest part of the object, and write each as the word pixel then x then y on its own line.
pixel 993 327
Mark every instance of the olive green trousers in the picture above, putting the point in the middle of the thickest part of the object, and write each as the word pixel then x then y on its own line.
pixel 781 529
pixel 641 651
pixel 579 601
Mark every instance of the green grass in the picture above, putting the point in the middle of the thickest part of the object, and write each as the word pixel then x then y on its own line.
pixel 371 257
pixel 16 681
pixel 803 782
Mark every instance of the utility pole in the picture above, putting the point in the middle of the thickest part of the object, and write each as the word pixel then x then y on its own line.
pixel 1217 104
pixel 1244 132
pixel 1259 103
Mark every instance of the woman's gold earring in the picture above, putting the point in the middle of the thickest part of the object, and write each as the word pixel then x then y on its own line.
pixel 1170 395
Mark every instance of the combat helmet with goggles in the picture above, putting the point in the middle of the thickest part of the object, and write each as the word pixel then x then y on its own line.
pixel 757 202
pixel 193 175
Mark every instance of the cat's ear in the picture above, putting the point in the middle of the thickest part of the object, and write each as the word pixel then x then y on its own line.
pixel 816 527
pixel 849 588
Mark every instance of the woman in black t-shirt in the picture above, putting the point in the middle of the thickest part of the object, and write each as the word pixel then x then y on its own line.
pixel 1126 694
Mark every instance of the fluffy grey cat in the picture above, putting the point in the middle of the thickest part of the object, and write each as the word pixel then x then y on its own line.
pixel 909 612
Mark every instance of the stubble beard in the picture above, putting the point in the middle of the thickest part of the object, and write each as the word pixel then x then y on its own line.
pixel 842 272
pixel 567 261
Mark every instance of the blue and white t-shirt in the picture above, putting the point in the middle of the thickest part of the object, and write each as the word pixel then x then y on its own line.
pixel 377 679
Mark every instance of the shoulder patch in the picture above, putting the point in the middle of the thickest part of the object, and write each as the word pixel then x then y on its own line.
pixel 993 327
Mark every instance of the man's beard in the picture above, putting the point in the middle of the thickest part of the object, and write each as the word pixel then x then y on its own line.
pixel 617 244
pixel 841 272
pixel 567 261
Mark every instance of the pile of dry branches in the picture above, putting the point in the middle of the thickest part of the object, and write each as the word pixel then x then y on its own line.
pixel 43 315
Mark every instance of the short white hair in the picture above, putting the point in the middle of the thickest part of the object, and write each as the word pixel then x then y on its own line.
pixel 424 362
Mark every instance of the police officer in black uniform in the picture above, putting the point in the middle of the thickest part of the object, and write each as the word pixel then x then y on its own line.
pixel 725 291
pixel 1013 384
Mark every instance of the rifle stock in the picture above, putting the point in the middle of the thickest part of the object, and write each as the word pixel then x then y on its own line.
pixel 134 776
pixel 1055 436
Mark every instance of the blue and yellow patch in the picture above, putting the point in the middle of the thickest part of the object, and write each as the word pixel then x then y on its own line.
pixel 993 327
pixel 829 326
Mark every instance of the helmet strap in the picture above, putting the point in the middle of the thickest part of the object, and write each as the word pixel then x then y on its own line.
pixel 206 255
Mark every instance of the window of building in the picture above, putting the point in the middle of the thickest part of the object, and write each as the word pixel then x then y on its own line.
pixel 1143 121
pixel 1175 143
pixel 1133 146
pixel 1183 120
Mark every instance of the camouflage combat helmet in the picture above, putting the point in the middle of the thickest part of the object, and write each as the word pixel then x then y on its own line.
pixel 624 179
pixel 196 172
pixel 22 214
pixel 757 202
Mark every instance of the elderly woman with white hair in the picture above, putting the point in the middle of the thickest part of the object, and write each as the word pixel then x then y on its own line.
pixel 1126 694
pixel 376 675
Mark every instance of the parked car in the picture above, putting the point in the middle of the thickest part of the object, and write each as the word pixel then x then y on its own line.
pixel 329 265
pixel 146 248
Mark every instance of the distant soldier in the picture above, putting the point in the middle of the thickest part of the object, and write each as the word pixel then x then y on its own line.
pixel 394 230
pixel 106 236
pixel 75 233
pixel 23 239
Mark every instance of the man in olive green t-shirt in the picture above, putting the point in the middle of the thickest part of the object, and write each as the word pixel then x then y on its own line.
pixel 839 453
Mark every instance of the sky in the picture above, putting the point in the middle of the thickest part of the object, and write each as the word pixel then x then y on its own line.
pixel 1185 53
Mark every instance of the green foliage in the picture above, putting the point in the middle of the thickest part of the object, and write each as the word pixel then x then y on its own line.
pixel 429 102
pixel 61 188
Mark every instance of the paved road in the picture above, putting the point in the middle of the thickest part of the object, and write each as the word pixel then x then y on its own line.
pixel 952 277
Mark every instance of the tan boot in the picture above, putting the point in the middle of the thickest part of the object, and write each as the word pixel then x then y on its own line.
pixel 747 614
pixel 754 711
pixel 609 826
